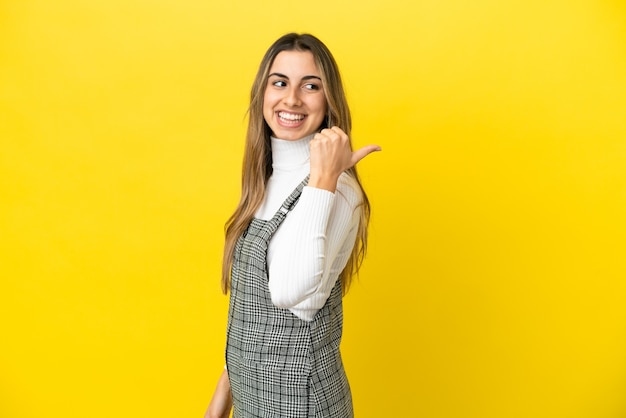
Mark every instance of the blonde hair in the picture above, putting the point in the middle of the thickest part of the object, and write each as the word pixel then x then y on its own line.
pixel 257 161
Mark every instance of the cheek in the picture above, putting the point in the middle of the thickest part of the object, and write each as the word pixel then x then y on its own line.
pixel 267 110
pixel 322 103
pixel 322 106
pixel 268 100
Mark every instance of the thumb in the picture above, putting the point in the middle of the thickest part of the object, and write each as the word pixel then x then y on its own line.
pixel 359 154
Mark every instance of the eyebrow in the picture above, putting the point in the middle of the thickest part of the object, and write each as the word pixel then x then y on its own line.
pixel 306 77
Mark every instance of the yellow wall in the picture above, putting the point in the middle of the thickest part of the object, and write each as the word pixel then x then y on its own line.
pixel 496 280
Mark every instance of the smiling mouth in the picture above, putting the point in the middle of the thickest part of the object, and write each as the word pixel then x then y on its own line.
pixel 290 118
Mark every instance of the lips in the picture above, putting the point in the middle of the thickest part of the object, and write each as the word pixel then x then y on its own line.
pixel 290 119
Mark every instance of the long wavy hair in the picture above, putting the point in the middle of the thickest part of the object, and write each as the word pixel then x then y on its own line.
pixel 257 160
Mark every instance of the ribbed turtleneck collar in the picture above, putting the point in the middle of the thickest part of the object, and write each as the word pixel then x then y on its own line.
pixel 289 154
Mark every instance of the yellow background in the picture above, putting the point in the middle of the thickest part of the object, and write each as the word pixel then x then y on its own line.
pixel 495 286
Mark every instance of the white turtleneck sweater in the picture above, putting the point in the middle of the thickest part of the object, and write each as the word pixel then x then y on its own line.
pixel 311 247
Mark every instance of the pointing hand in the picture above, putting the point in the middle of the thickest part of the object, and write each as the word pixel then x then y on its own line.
pixel 331 155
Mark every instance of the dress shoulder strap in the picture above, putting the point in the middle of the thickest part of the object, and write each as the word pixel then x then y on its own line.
pixel 290 202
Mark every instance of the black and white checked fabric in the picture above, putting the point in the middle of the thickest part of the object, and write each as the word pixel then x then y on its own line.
pixel 280 366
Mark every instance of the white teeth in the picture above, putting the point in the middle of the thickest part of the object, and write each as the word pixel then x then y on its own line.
pixel 290 116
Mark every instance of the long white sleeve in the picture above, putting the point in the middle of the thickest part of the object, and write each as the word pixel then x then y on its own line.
pixel 311 247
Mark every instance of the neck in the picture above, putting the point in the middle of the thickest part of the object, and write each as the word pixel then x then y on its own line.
pixel 287 154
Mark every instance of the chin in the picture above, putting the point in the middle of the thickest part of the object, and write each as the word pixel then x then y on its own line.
pixel 290 136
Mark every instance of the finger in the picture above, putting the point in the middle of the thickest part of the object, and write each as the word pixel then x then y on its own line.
pixel 322 132
pixel 339 131
pixel 359 154
pixel 328 132
pixel 329 135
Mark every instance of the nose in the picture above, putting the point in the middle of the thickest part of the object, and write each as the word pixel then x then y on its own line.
pixel 292 96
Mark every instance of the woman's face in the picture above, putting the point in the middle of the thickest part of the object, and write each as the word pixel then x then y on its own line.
pixel 294 104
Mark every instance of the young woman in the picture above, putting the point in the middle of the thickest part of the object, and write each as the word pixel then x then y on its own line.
pixel 296 238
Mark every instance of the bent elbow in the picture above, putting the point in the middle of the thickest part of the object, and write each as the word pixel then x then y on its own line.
pixel 287 296
pixel 279 299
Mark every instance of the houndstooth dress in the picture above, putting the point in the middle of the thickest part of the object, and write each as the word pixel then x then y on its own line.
pixel 280 366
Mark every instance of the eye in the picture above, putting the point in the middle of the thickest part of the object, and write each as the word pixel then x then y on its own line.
pixel 279 83
pixel 311 86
